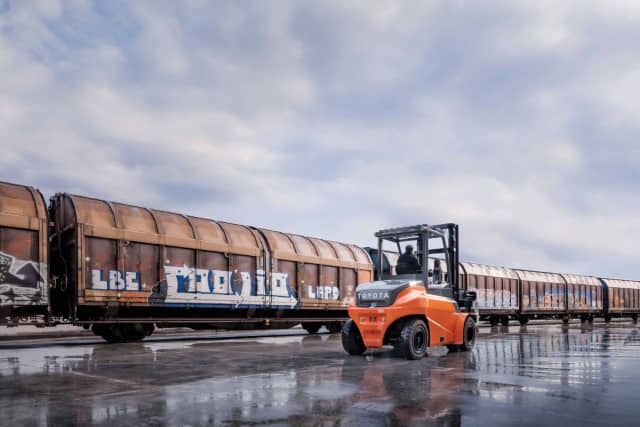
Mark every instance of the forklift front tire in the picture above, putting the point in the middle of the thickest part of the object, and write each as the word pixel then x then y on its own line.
pixel 414 339
pixel 351 339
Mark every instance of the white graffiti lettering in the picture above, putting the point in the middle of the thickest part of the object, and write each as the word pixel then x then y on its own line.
pixel 115 281
pixel 323 292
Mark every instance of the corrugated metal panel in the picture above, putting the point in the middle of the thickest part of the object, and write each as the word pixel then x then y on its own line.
pixel 539 276
pixel 489 270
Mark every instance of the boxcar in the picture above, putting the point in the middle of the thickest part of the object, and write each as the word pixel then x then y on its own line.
pixel 622 298
pixel 497 291
pixel 124 268
pixel 23 251
pixel 543 295
pixel 584 296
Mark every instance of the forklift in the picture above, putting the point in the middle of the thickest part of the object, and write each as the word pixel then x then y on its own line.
pixel 416 309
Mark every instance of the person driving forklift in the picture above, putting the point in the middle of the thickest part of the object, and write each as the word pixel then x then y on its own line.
pixel 407 262
pixel 436 274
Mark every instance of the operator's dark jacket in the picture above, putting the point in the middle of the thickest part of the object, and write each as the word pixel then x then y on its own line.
pixel 407 264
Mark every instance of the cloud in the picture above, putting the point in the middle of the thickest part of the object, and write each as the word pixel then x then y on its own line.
pixel 516 119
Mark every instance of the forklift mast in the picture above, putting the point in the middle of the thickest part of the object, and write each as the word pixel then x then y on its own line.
pixel 433 242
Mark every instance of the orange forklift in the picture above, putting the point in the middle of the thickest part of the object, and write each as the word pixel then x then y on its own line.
pixel 424 308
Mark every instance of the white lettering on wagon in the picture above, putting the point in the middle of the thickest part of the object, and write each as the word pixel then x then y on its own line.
pixel 204 286
pixel 324 292
pixel 115 280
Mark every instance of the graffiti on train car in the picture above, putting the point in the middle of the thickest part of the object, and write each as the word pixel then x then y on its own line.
pixel 21 282
pixel 489 298
pixel 209 286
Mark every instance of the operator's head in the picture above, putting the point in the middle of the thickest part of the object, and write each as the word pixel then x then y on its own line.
pixel 408 249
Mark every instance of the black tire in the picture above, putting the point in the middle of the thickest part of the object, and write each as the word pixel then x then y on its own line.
pixel 468 335
pixel 351 339
pixel 504 320
pixel 334 327
pixel 414 339
pixel 311 328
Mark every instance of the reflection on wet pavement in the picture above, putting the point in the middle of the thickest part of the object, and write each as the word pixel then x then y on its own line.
pixel 534 376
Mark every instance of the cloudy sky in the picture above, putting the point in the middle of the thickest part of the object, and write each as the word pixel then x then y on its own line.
pixel 518 120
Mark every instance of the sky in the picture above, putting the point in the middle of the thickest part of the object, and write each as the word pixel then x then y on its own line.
pixel 516 119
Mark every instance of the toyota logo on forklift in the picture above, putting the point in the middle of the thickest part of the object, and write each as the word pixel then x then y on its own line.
pixel 419 303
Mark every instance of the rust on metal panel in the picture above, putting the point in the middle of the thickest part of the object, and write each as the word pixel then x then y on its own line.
pixel 303 246
pixel 324 249
pixel 174 225
pixel 23 247
pixel 546 291
pixel 134 218
pixel 93 212
pixel 241 239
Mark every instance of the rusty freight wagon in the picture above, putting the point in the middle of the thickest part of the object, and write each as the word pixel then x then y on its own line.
pixel 124 268
pixel 584 297
pixel 622 298
pixel 23 251
pixel 497 290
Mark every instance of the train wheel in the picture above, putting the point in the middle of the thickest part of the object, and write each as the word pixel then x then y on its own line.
pixel 123 332
pixel 414 339
pixel 584 319
pixel 311 328
pixel 351 339
pixel 523 320
pixel 334 327
pixel 634 317
pixel 494 320
pixel 504 320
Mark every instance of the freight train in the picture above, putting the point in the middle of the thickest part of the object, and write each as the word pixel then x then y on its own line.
pixel 123 270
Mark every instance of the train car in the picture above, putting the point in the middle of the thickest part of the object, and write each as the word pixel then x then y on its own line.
pixel 496 288
pixel 23 252
pixel 622 298
pixel 542 295
pixel 584 297
pixel 123 268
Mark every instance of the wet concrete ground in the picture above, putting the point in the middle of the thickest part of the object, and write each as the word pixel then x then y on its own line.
pixel 543 375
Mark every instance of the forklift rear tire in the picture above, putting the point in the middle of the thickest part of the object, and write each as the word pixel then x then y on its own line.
pixel 468 335
pixel 351 339
pixel 414 339
pixel 312 328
